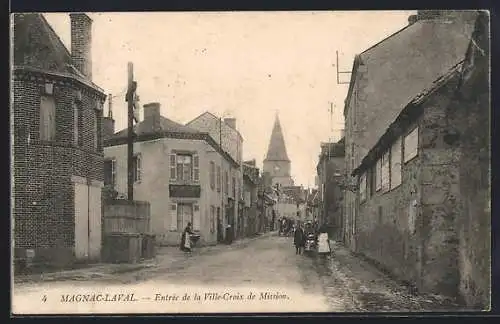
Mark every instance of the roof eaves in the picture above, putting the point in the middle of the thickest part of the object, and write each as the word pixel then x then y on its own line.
pixel 416 102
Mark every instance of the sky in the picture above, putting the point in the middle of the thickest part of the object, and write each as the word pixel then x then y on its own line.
pixel 246 65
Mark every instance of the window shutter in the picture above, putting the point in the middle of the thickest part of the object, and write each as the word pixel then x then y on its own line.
pixel 173 167
pixel 139 167
pixel 173 217
pixel 196 167
pixel 196 217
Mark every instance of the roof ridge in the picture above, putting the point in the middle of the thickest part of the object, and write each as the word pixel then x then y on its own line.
pixel 47 24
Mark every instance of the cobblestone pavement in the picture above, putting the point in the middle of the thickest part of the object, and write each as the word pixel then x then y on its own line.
pixel 342 283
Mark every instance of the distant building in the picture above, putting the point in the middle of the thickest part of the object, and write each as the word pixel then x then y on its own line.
pixel 57 151
pixel 182 172
pixel 277 163
pixel 420 159
pixel 330 171
pixel 250 193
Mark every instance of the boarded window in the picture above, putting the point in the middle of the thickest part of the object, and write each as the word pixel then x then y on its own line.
pixel 362 187
pixel 96 129
pixel 76 123
pixel 386 171
pixel 47 118
pixel 411 145
pixel 396 163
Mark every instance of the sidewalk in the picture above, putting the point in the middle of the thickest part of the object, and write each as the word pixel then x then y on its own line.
pixel 372 289
pixel 165 257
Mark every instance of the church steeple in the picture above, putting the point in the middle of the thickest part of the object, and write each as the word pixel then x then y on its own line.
pixel 277 148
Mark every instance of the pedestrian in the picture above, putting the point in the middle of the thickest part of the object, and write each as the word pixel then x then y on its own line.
pixel 186 239
pixel 323 242
pixel 299 239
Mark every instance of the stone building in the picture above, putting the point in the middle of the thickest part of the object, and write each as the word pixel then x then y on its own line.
pixel 57 152
pixel 330 171
pixel 225 133
pixel 423 173
pixel 178 170
pixel 250 194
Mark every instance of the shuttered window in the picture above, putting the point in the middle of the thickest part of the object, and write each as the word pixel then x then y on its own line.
pixel 411 145
pixel 212 175
pixel 196 167
pixel 396 163
pixel 47 118
pixel 173 167
pixel 173 217
pixel 386 162
pixel 378 174
pixel 137 167
pixel 218 179
pixel 362 187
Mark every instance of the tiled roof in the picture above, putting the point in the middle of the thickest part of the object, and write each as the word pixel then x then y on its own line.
pixel 277 148
pixel 402 65
pixel 37 46
pixel 146 127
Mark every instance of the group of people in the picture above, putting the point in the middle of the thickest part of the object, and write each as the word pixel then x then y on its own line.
pixel 286 226
pixel 320 235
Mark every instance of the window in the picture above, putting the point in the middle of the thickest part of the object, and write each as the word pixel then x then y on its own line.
pixel 212 219
pixel 196 217
pixel 396 163
pixel 352 156
pixel 386 171
pixel 185 167
pixel 362 187
pixel 378 175
pixel 76 123
pixel 183 213
pixel 47 118
pixel 226 181
pixel 137 167
pixel 234 187
pixel 110 172
pixel 372 180
pixel 219 181
pixel 411 145
pixel 212 175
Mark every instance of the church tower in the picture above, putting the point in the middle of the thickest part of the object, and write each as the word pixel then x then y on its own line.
pixel 277 162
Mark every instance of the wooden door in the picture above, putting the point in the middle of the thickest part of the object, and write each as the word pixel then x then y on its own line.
pixel 81 221
pixel 94 234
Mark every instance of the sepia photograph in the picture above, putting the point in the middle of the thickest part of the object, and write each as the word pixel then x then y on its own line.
pixel 250 162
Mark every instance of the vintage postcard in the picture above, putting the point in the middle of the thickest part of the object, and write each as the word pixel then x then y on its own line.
pixel 250 162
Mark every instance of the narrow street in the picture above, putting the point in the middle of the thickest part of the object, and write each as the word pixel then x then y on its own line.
pixel 295 283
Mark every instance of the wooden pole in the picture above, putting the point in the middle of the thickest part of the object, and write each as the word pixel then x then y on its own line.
pixel 130 138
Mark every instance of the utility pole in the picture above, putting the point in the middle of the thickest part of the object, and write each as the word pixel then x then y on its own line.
pixel 131 88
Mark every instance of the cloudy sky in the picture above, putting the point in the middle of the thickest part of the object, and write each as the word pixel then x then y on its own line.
pixel 247 65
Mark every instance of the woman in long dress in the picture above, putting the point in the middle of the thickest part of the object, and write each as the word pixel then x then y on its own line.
pixel 323 242
pixel 186 238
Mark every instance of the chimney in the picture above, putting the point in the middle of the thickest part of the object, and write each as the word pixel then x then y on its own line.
pixel 81 40
pixel 152 115
pixel 231 122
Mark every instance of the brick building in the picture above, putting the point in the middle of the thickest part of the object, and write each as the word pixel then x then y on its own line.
pixel 179 170
pixel 423 174
pixel 57 153
pixel 330 171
